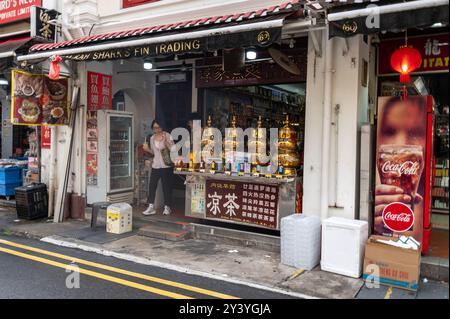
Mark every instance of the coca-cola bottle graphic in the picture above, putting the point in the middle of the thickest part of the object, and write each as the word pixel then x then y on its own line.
pixel 401 166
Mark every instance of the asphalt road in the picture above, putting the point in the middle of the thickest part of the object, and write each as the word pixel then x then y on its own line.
pixel 33 269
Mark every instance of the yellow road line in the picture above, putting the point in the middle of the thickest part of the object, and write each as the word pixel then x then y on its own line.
pixel 121 271
pixel 297 273
pixel 96 274
pixel 388 293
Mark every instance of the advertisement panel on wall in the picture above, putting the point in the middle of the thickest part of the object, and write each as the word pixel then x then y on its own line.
pixel 401 160
pixel 37 100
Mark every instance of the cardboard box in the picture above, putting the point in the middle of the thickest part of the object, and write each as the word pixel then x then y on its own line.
pixel 397 267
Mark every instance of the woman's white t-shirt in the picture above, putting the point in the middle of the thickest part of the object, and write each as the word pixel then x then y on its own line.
pixel 157 147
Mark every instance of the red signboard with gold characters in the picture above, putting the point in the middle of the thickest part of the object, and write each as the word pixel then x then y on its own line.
pixel 37 100
pixel 242 202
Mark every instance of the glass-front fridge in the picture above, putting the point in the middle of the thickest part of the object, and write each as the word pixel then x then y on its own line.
pixel 120 153
pixel 115 158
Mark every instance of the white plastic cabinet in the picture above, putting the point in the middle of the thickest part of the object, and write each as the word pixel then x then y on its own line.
pixel 343 244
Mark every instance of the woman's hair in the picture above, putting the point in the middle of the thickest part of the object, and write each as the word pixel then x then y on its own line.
pixel 417 102
pixel 155 122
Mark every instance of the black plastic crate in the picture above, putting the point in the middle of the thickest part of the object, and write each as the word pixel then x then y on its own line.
pixel 32 201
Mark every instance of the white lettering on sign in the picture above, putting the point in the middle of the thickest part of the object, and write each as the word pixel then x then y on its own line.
pixel 406 168
pixel 406 218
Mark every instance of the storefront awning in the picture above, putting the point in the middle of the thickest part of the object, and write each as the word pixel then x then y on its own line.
pixel 9 49
pixel 254 28
pixel 349 20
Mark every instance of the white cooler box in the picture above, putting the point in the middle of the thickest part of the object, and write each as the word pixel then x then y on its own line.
pixel 343 244
pixel 300 241
pixel 119 218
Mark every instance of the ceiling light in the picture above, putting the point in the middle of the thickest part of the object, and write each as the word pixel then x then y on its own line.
pixel 251 54
pixel 148 65
pixel 437 25
pixel 3 80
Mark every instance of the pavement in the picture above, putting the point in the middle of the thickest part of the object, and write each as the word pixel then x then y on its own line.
pixel 231 265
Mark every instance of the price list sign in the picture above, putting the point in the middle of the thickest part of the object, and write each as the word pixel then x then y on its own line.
pixel 250 203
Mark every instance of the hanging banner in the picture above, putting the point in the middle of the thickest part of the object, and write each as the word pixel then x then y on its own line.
pixel 46 137
pixel 400 159
pixel 433 49
pixel 14 10
pixel 37 100
pixel 242 202
pixel 99 91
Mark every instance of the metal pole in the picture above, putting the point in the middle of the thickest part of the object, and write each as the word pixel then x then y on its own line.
pixel 74 109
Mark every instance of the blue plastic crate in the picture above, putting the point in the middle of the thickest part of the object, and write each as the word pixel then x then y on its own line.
pixel 9 175
pixel 9 189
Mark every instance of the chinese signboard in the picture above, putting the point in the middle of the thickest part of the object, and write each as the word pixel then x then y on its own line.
pixel 46 137
pixel 92 148
pixel 37 100
pixel 99 91
pixel 242 202
pixel 252 74
pixel 433 48
pixel 40 23
pixel 401 173
pixel 198 198
pixel 15 10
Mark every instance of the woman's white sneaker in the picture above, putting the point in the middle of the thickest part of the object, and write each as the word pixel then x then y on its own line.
pixel 167 210
pixel 150 210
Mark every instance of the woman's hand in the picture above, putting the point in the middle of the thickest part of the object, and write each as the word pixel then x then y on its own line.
pixel 386 194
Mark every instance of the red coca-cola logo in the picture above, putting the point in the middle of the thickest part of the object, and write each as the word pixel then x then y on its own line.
pixel 407 168
pixel 398 217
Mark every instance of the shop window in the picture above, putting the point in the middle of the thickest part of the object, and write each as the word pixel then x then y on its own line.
pixel 134 3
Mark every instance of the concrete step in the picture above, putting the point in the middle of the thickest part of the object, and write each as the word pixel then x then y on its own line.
pixel 167 233
pixel 434 268
pixel 236 237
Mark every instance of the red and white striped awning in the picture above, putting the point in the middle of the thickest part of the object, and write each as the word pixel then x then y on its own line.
pixel 287 8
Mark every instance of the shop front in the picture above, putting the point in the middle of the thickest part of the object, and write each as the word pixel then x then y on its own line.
pixel 243 72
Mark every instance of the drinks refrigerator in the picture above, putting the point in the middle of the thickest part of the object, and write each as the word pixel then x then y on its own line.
pixel 115 181
pixel 405 133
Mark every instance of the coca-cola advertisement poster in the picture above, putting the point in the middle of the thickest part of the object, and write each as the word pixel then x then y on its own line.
pixel 400 162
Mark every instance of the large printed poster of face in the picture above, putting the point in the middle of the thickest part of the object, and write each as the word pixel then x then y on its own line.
pixel 400 157
pixel 37 100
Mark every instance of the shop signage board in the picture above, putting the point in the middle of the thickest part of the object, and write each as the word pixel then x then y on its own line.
pixel 40 23
pixel 261 38
pixel 37 100
pixel 252 74
pixel 198 198
pixel 92 148
pixel 242 202
pixel 433 49
pixel 99 91
pixel 46 137
pixel 15 10
pixel 402 156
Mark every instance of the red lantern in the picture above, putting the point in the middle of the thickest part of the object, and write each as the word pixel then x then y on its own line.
pixel 405 60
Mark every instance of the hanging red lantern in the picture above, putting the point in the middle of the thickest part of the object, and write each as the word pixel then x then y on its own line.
pixel 405 60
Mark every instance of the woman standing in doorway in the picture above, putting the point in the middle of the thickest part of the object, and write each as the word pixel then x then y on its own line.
pixel 158 145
